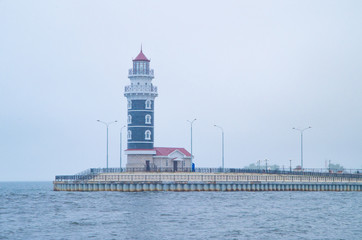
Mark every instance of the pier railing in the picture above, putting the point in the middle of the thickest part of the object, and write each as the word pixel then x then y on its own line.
pixel 210 178
pixel 92 172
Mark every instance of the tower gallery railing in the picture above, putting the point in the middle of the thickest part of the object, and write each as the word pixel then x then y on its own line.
pixel 141 72
pixel 92 172
pixel 140 88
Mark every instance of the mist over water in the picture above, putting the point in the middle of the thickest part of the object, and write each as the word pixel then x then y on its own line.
pixel 31 210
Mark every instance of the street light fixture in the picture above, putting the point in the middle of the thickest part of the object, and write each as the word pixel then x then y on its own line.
pixel 266 165
pixel 191 122
pixel 301 144
pixel 120 147
pixel 107 124
pixel 222 131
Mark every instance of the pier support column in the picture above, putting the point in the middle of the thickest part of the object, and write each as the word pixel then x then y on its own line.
pixel 179 187
pixel 166 187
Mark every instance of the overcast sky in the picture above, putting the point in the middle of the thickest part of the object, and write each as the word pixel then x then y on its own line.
pixel 256 68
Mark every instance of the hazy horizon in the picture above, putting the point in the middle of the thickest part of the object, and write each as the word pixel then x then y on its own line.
pixel 256 68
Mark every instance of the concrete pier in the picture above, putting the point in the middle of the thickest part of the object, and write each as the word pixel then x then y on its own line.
pixel 143 181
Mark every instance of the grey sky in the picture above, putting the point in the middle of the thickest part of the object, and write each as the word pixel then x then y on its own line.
pixel 256 68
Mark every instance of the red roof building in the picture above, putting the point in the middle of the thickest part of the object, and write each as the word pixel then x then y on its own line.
pixel 162 151
pixel 166 151
pixel 159 158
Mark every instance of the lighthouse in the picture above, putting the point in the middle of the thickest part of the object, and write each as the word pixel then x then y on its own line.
pixel 141 94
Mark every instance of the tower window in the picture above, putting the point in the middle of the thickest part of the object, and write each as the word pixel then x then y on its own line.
pixel 129 134
pixel 148 119
pixel 137 68
pixel 148 135
pixel 129 105
pixel 129 119
pixel 142 67
pixel 148 104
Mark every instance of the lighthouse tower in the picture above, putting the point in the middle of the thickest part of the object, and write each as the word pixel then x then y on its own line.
pixel 140 96
pixel 141 154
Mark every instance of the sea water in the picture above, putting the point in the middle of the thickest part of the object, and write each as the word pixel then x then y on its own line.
pixel 32 210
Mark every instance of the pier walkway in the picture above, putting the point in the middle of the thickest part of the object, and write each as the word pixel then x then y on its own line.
pixel 199 181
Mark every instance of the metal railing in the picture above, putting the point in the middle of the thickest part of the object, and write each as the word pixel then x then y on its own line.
pixel 211 178
pixel 140 88
pixel 150 72
pixel 92 172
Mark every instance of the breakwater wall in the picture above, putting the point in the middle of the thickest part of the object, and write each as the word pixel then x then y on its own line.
pixel 136 182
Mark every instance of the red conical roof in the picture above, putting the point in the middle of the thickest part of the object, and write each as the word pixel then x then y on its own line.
pixel 141 57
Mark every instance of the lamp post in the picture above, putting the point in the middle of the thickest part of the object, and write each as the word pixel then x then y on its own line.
pixel 290 165
pixel 107 125
pixel 301 144
pixel 266 165
pixel 120 147
pixel 222 131
pixel 191 122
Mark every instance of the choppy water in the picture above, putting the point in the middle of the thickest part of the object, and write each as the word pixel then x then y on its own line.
pixel 34 211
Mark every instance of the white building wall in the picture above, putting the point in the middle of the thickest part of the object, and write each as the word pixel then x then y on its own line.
pixel 139 160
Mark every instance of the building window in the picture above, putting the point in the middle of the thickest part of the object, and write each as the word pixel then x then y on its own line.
pixel 129 105
pixel 129 134
pixel 148 119
pixel 166 163
pixel 129 119
pixel 137 68
pixel 148 104
pixel 148 135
